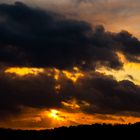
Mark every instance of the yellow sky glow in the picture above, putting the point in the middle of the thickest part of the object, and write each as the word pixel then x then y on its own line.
pixel 71 104
pixel 130 71
pixel 72 75
pixel 38 119
pixel 23 71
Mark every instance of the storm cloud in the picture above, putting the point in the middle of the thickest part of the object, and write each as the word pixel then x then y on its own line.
pixel 33 37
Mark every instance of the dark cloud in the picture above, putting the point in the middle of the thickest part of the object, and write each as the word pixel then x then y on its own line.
pixel 41 38
pixel 37 92
pixel 130 45
pixel 110 96
pixel 104 94
pixel 33 37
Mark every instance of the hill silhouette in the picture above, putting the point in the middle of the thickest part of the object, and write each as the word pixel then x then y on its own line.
pixel 73 132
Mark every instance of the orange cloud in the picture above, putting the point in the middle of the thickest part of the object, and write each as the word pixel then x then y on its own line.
pixel 75 75
pixel 71 104
pixel 24 71
pixel 51 118
pixel 72 75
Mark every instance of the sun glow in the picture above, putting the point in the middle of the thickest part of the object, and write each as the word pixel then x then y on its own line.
pixel 24 71
pixel 54 114
pixel 51 118
pixel 73 74
pixel 130 70
pixel 57 88
pixel 71 104
pixel 63 117
pixel 56 74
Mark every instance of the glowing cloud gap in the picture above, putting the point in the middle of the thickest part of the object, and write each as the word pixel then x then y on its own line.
pixel 57 74
pixel 130 70
pixel 71 104
pixel 24 71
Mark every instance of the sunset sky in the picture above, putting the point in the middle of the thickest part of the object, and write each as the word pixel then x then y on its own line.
pixel 69 62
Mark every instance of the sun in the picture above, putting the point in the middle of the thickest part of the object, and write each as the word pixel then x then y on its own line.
pixel 54 113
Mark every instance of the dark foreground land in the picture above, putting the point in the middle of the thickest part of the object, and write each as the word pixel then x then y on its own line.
pixel 87 132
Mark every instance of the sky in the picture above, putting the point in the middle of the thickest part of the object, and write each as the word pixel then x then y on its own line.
pixel 69 62
pixel 115 15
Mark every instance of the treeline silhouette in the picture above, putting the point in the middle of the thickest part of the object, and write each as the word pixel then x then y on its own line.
pixel 86 132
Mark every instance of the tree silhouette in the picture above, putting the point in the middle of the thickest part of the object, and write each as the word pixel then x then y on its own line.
pixel 73 132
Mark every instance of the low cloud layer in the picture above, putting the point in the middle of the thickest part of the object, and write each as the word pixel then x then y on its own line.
pixel 94 93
